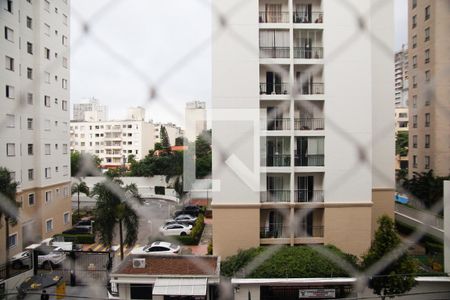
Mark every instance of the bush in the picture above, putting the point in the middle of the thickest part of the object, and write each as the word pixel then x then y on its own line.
pixel 196 233
pixel 210 248
pixel 234 263
pixel 434 248
pixel 77 238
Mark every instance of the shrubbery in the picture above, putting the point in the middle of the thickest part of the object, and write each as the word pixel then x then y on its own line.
pixel 196 233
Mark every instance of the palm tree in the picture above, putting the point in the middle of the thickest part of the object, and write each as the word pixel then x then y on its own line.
pixel 77 188
pixel 8 206
pixel 114 208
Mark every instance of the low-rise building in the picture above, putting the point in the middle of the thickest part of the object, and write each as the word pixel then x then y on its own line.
pixel 173 132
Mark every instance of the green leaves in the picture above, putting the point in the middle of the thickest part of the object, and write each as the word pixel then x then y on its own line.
pixel 8 190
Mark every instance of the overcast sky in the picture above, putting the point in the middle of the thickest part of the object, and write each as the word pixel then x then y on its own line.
pixel 151 35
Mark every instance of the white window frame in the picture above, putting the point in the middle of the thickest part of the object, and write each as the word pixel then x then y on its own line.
pixel 16 240
pixel 9 92
pixel 10 121
pixel 10 152
pixel 67 213
pixel 9 34
pixel 32 173
pixel 9 63
pixel 46 225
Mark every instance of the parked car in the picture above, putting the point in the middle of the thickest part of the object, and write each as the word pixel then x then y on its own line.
pixel 85 223
pixel 175 229
pixel 20 260
pixel 172 221
pixel 76 230
pixel 186 219
pixel 157 248
pixel 48 257
pixel 192 210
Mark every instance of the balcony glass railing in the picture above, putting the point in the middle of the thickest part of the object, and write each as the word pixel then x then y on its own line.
pixel 304 196
pixel 273 17
pixel 309 124
pixel 308 17
pixel 278 124
pixel 311 88
pixel 309 231
pixel 278 160
pixel 274 88
pixel 310 160
pixel 274 52
pixel 276 196
pixel 274 231
pixel 308 52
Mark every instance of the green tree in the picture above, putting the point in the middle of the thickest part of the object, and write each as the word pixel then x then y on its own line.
pixel 8 207
pixel 158 146
pixel 180 141
pixel 114 208
pixel 165 142
pixel 84 164
pixel 75 158
pixel 398 276
pixel 426 187
pixel 401 143
pixel 131 159
pixel 80 188
pixel 203 155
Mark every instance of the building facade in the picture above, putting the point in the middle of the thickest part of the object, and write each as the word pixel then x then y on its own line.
pixel 304 155
pixel 90 110
pixel 195 119
pixel 173 132
pixel 401 78
pixel 112 141
pixel 35 116
pixel 430 89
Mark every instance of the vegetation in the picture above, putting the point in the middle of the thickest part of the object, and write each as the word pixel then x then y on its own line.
pixel 9 206
pixel 288 262
pixel 203 155
pixel 82 165
pixel 427 187
pixel 80 188
pixel 114 209
pixel 165 142
pixel 196 233
pixel 180 141
pixel 398 276
pixel 401 143
pixel 169 164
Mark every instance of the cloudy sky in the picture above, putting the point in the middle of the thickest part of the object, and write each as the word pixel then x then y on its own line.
pixel 152 36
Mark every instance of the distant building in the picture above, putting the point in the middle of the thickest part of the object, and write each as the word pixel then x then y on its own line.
pixel 195 119
pixel 401 78
pixel 90 110
pixel 136 113
pixel 173 132
pixel 401 119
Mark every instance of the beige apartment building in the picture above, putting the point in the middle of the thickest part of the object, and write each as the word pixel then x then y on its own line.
pixel 429 93
pixel 291 104
pixel 34 137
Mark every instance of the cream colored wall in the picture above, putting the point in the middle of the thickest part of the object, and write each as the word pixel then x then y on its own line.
pixel 383 204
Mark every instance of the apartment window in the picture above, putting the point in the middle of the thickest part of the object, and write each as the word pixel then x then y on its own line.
pixel 414 81
pixel 64 19
pixel 64 105
pixel 427 120
pixel 427 12
pixel 414 3
pixel 30 174
pixel 9 6
pixel 66 218
pixel 47 5
pixel 415 61
pixel 64 151
pixel 427 75
pixel 414 141
pixel 47 149
pixel 9 92
pixel 30 149
pixel 47 29
pixel 414 21
pixel 48 172
pixel 31 200
pixel 414 41
pixel 64 84
pixel 64 62
pixel 29 48
pixel 29 73
pixel 415 121
pixel 427 56
pixel 11 149
pixel 47 77
pixel 12 240
pixel 29 23
pixel 30 123
pixel 9 63
pixel 65 170
pixel 10 121
pixel 49 225
pixel 427 162
pixel 415 161
pixel 30 98
pixel 47 101
pixel 9 34
pixel 427 141
pixel 47 53
pixel 47 125
pixel 427 34
pixel 64 40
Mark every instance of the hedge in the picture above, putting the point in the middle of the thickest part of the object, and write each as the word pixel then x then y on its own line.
pixel 77 238
pixel 196 233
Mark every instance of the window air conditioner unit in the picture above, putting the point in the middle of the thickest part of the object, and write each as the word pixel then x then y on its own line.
pixel 139 263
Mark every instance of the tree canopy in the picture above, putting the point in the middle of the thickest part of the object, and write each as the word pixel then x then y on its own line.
pixel 426 187
pixel 84 164
pixel 165 142
pixel 401 143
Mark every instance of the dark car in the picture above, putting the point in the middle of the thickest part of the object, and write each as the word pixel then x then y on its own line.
pixel 192 210
pixel 78 230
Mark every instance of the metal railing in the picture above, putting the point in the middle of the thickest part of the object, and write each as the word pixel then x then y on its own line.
pixel 274 52
pixel 308 52
pixel 310 160
pixel 276 196
pixel 278 124
pixel 307 17
pixel 274 231
pixel 274 88
pixel 309 124
pixel 278 160
pixel 273 17
pixel 311 89
pixel 313 231
pixel 304 195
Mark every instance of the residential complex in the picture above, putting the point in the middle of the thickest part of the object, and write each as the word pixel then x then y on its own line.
pixel 306 153
pixel 35 117
pixel 401 78
pixel 195 119
pixel 429 106
pixel 90 110
pixel 173 132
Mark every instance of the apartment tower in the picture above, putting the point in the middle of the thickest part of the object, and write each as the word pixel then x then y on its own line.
pixel 401 78
pixel 303 147
pixel 35 116
pixel 195 119
pixel 429 94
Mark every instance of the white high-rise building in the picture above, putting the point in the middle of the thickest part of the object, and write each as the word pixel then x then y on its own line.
pixel 304 151
pixel 136 113
pixel 35 116
pixel 195 119
pixel 90 110
pixel 173 132
pixel 401 78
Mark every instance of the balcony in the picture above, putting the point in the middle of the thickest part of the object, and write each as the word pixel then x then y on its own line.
pixel 309 160
pixel 309 232
pixel 273 231
pixel 274 52
pixel 311 88
pixel 274 88
pixel 273 17
pixel 276 196
pixel 278 160
pixel 308 17
pixel 308 52
pixel 278 124
pixel 307 196
pixel 309 124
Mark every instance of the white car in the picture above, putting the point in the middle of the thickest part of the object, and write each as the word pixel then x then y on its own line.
pixel 175 229
pixel 47 257
pixel 186 218
pixel 20 260
pixel 157 248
